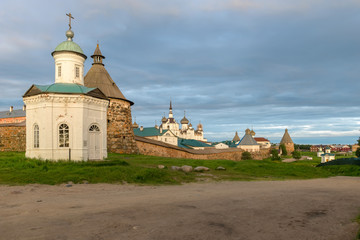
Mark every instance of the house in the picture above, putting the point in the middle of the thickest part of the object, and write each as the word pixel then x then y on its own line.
pixel 327 156
pixel 263 142
pixel 13 116
pixel 221 145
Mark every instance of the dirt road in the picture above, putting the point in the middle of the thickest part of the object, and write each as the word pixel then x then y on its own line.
pixel 272 210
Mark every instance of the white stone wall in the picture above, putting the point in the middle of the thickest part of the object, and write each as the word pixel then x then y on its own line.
pixel 68 62
pixel 79 112
pixel 250 148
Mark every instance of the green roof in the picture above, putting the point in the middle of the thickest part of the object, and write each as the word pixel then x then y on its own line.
pixel 64 88
pixel 191 143
pixel 148 132
pixel 69 46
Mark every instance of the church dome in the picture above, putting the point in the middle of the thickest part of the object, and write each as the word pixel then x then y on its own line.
pixel 135 125
pixel 199 126
pixel 184 120
pixel 164 119
pixel 252 133
pixel 69 45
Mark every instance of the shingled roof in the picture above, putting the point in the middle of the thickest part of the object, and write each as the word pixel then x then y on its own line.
pixel 248 139
pixel 98 77
pixel 286 138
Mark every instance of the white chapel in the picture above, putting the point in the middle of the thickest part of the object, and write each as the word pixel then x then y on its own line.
pixel 66 120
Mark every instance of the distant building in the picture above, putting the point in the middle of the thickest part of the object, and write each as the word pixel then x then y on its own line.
pixel 170 124
pixel 13 116
pixel 236 137
pixel 166 136
pixel 264 143
pixel 327 156
pixel 354 147
pixel 320 152
pixel 221 146
pixel 340 148
pixel 287 141
pixel 248 143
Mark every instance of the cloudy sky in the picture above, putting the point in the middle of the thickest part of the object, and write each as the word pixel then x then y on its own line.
pixel 231 64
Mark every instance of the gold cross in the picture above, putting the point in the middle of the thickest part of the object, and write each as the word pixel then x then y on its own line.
pixel 70 17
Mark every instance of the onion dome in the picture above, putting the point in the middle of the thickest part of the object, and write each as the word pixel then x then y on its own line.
pixel 69 45
pixel 252 133
pixel 190 125
pixel 164 119
pixel 247 131
pixel 135 125
pixel 199 126
pixel 184 120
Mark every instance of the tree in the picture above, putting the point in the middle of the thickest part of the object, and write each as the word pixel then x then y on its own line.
pixel 357 153
pixel 283 149
pixel 246 156
pixel 296 154
pixel 358 141
pixel 274 155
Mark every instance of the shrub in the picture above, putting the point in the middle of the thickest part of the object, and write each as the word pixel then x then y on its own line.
pixel 296 155
pixel 246 156
pixel 274 155
pixel 357 153
pixel 283 149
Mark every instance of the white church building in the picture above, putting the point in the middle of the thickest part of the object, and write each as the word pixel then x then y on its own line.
pixel 66 120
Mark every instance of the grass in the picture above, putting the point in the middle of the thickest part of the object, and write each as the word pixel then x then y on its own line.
pixel 15 169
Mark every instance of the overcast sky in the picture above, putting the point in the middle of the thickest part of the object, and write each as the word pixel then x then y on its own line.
pixel 231 64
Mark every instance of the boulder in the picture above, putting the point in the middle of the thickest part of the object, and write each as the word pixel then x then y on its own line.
pixel 175 168
pixel 161 166
pixel 187 168
pixel 201 169
pixel 220 168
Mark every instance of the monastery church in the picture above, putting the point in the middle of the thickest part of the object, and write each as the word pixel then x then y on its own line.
pixel 77 118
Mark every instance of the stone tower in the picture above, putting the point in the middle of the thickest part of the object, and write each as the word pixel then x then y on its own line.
pixel 287 141
pixel 120 135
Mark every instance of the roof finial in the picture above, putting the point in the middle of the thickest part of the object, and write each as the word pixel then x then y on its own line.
pixel 184 113
pixel 170 105
pixel 70 17
pixel 69 33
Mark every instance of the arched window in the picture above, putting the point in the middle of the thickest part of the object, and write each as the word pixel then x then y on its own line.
pixel 36 136
pixel 63 135
pixel 94 128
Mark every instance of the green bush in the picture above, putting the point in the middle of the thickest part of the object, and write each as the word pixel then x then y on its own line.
pixel 283 149
pixel 296 154
pixel 357 153
pixel 274 155
pixel 246 156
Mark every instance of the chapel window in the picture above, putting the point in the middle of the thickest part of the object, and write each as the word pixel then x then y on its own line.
pixel 63 135
pixel 94 128
pixel 36 136
pixel 77 71
pixel 59 70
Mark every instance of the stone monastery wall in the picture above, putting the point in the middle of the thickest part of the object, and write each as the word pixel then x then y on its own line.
pixel 12 137
pixel 156 148
pixel 120 135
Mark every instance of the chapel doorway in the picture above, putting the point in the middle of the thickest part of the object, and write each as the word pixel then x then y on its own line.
pixel 94 143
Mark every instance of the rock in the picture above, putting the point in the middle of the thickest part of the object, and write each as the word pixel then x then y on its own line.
pixel 175 168
pixel 220 168
pixel 161 166
pixel 201 169
pixel 68 185
pixel 186 168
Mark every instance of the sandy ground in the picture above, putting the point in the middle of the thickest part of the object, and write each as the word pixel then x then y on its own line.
pixel 308 209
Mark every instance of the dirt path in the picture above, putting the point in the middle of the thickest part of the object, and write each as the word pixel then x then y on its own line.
pixel 309 209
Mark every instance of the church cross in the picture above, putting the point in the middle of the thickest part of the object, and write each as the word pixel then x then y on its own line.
pixel 70 17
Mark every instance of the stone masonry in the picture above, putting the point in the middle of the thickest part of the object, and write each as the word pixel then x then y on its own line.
pixel 120 135
pixel 12 137
pixel 156 148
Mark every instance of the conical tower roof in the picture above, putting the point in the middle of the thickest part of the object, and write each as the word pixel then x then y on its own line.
pixel 236 137
pixel 286 138
pixel 248 139
pixel 98 77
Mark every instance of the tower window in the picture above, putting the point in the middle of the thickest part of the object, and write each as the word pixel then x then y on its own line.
pixel 63 135
pixel 77 71
pixel 36 136
pixel 59 70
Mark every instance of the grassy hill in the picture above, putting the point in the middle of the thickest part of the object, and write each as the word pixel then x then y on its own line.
pixel 15 169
